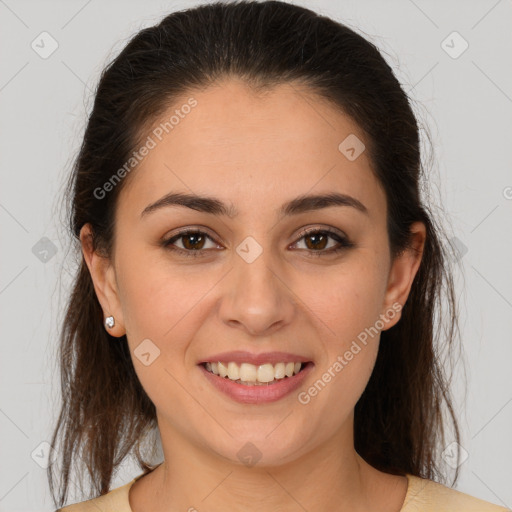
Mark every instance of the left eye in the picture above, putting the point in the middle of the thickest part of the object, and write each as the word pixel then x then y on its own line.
pixel 193 242
pixel 318 240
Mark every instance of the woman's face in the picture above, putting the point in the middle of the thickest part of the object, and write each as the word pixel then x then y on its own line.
pixel 254 282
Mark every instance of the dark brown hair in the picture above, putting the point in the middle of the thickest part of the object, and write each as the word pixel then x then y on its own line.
pixel 400 419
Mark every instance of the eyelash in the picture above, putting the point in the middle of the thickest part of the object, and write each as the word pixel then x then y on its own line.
pixel 345 242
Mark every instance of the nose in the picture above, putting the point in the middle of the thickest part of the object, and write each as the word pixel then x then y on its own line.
pixel 257 297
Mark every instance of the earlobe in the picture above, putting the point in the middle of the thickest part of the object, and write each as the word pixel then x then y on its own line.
pixel 403 271
pixel 103 276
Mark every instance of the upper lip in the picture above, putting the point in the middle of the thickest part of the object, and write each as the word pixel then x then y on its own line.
pixel 241 356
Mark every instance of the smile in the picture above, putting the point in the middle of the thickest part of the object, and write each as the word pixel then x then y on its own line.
pixel 252 375
pixel 249 383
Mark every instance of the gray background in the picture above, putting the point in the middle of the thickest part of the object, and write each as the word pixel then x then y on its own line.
pixel 465 101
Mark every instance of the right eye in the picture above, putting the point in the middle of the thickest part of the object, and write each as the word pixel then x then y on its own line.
pixel 193 242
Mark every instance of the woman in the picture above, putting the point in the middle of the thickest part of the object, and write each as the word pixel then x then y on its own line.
pixel 260 276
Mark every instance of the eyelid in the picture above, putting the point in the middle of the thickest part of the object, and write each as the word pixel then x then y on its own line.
pixel 326 229
pixel 190 229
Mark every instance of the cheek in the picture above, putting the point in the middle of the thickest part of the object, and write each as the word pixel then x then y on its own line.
pixel 161 301
pixel 345 306
pixel 344 302
pixel 162 304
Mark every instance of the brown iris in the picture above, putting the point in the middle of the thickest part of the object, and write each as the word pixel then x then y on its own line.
pixel 316 243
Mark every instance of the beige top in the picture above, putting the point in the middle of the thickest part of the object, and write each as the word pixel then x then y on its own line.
pixel 422 496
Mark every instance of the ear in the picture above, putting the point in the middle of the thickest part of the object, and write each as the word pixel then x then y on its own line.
pixel 104 280
pixel 402 273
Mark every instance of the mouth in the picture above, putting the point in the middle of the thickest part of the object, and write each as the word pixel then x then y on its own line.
pixel 250 378
pixel 249 374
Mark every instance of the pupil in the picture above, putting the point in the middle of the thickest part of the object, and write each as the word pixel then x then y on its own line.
pixel 316 243
pixel 195 238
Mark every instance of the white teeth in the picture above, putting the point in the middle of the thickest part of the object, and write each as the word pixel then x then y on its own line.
pixel 279 370
pixel 250 374
pixel 266 373
pixel 223 370
pixel 233 371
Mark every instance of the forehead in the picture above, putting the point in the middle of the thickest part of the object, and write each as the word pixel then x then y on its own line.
pixel 246 148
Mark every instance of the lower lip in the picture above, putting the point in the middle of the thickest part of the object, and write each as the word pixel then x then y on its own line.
pixel 258 394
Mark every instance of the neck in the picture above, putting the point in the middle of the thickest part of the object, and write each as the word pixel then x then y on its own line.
pixel 332 476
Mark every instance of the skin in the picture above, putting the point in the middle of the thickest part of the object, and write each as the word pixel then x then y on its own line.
pixel 255 152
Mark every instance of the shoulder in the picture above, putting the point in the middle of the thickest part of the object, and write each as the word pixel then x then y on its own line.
pixel 426 495
pixel 114 501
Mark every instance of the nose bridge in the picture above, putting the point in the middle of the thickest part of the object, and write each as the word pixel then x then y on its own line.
pixel 253 267
pixel 257 298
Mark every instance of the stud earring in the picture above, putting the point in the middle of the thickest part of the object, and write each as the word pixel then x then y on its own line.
pixel 109 322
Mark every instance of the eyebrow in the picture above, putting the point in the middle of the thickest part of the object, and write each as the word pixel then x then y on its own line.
pixel 211 205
